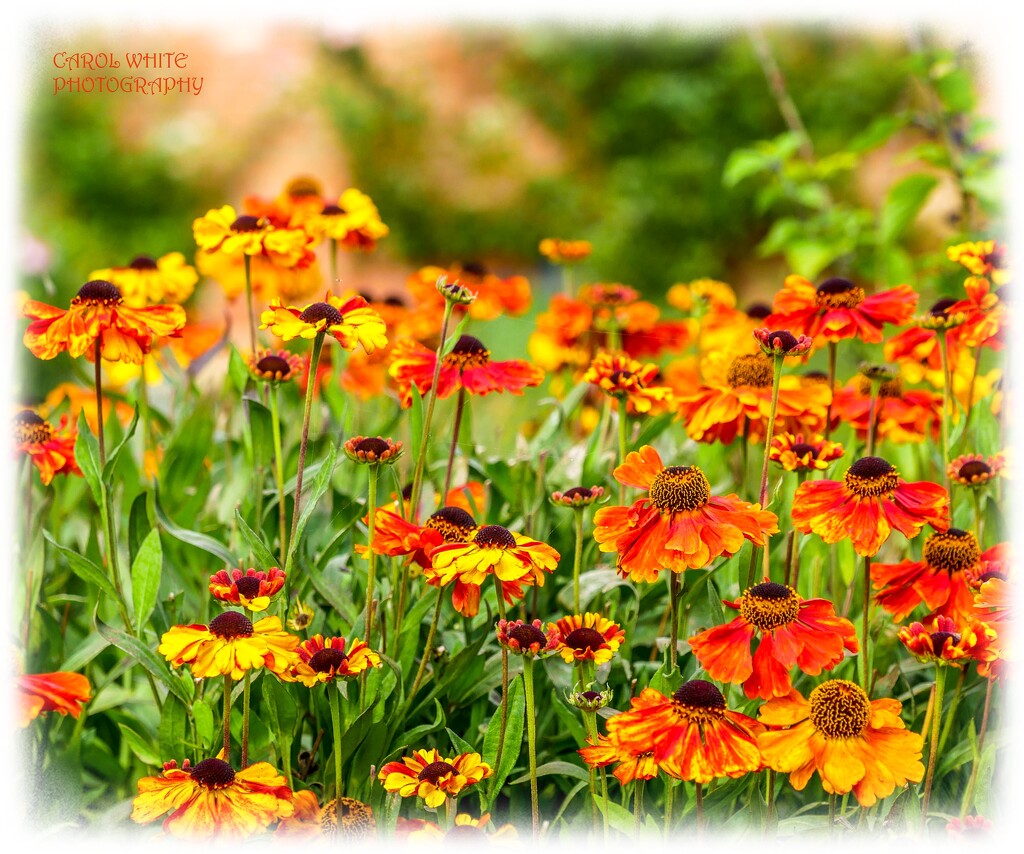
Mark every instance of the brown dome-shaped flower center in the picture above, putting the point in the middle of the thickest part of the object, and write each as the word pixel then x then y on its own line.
pixel 474 268
pixel 680 488
pixel 143 262
pixel 247 223
pixel 583 639
pixel 974 468
pixel 355 818
pixel 213 773
pixel 372 445
pixel 769 606
pixel 248 586
pixel 468 352
pixel 303 186
pixel 892 387
pixel 333 210
pixel 97 292
pixel 954 550
pixel 231 624
pixel 699 694
pixel 787 340
pixel 454 524
pixel 578 492
pixel 435 771
pixel 871 476
pixel 624 379
pixel 839 709
pixel 814 377
pixel 321 311
pixel 838 293
pixel 494 536
pixel 327 660
pixel 755 370
pixel 274 365
pixel 30 428
pixel 802 448
pixel 758 310
pixel 528 634
pixel 939 640
pixel 941 308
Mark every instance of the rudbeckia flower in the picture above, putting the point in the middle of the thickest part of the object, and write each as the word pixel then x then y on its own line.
pixel 901 415
pixel 52 692
pixel 526 638
pixel 252 589
pixel 941 579
pixel 146 281
pixel 484 294
pixel 350 321
pixel 353 221
pixel 99 318
pixel 800 454
pixel 222 231
pixel 679 525
pixel 692 734
pixel 943 641
pixel 324 660
pixel 855 744
pixel 395 536
pixel 867 504
pixel 587 637
pixel 427 775
pixel 792 631
pixel 51 451
pixel 839 309
pixel 975 470
pixel 347 819
pixel 981 258
pixel 467 366
pixel 634 763
pixel 274 366
pixel 83 399
pixel 213 801
pixel 561 251
pixel 626 379
pixel 229 646
pixel 372 450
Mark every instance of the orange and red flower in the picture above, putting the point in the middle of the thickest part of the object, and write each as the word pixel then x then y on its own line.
pixel 867 504
pixel 494 296
pixel 252 588
pixel 395 536
pixel 467 366
pixel 51 451
pixel 427 775
pixel 945 642
pixel 901 415
pixel 99 318
pixel 981 258
pixel 221 231
pixel 839 309
pixel 353 221
pixel 626 379
pixel 565 251
pixel 975 469
pixel 794 632
pixel 797 453
pixel 60 692
pixel 854 743
pixel 325 659
pixel 349 320
pixel 526 638
pixel 679 525
pixel 587 637
pixel 636 763
pixel 148 281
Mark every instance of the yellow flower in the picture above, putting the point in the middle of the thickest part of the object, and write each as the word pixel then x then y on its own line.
pixel 146 281
pixel 353 222
pixel 432 778
pixel 589 636
pixel 230 646
pixel 351 321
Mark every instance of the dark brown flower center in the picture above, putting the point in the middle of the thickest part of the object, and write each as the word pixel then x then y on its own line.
pixel 247 223
pixel 394 302
pixel 303 186
pixel 578 491
pixel 954 550
pixel 941 308
pixel 333 210
pixel 321 311
pixel 802 448
pixel 770 606
pixel 474 268
pixel 30 428
pixel 494 536
pixel 699 694
pixel 468 352
pixel 435 771
pixel 453 524
pixel 584 638
pixel 592 696
pixel 248 586
pixel 787 340
pixel 838 293
pixel 231 624
pixel 97 292
pixel 528 634
pixel 974 468
pixel 987 576
pixel 624 378
pixel 939 640
pixel 755 370
pixel 372 445
pixel 327 660
pixel 680 488
pixel 871 476
pixel 213 773
pixel 758 310
pixel 143 262
pixel 839 709
pixel 815 377
pixel 273 365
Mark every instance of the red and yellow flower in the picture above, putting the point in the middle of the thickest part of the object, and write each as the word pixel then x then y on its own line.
pixel 526 638
pixel 943 641
pixel 99 318
pixel 975 470
pixel 426 774
pixel 791 631
pixel 867 504
pixel 223 231
pixel 839 309
pixel 211 800
pixel 901 415
pixel 800 454
pixel 251 588
pixel 493 296
pixel 60 692
pixel 587 637
pixel 692 734
pixel 679 525
pixel 395 536
pixel 322 659
pixel 274 366
pixel 565 251
pixel 230 646
pixel 353 221
pixel 467 366
pixel 981 258
pixel 855 744
pixel 51 451
pixel 349 320
pixel 635 763
pixel 626 379
pixel 146 281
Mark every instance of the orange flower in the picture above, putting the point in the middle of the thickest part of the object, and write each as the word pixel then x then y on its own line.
pixel 589 637
pixel 494 296
pixel 940 641
pixel 795 453
pixel 270 275
pixel 394 536
pixel 213 801
pixel 229 646
pixel 99 318
pixel 324 660
pixel 679 525
pixel 565 251
pixel 867 504
pixel 252 589
pixel 427 775
pixel 559 339
pixel 146 281
pixel 52 692
pixel 467 366
pixel 941 580
pixel 986 315
pixel 623 378
pixel 855 744
pixel 901 415
pixel 372 450
pixel 839 309
pixel 634 764
pixel 51 451
pixel 994 603
pixel 692 734
pixel 794 632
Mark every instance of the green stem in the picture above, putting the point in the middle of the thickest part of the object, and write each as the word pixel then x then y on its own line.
pixel 674 586
pixel 831 813
pixel 872 418
pixel 623 436
pixel 245 718
pixel 976 765
pixel 832 348
pixel 275 421
pixel 933 747
pixel 577 561
pixel 314 360
pixel 700 809
pixel 332 699
pixel 770 801
pixel 638 805
pixel 531 740
pixel 248 302
pixel 334 261
pixel 866 680
pixel 429 644
pixel 964 437
pixel 669 792
pixel 770 432
pixel 590 722
pixel 459 406
pixel 944 351
pixel 372 570
pixel 504 685
pixel 227 717
pixel 976 500
pixel 951 711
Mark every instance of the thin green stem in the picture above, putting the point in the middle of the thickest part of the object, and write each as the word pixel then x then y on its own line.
pixel 275 421
pixel 933 747
pixel 623 437
pixel 770 801
pixel 700 809
pixel 227 717
pixel 248 302
pixel 456 426
pixel 832 348
pixel 577 561
pixel 976 501
pixel 504 684
pixel 334 261
pixel 770 432
pixel 372 555
pixel 314 360
pixel 872 418
pixel 428 645
pixel 866 679
pixel 674 586
pixel 245 719
pixel 831 813
pixel 332 699
pixel 946 401
pixel 638 805
pixel 669 793
pixel 964 437
pixel 531 740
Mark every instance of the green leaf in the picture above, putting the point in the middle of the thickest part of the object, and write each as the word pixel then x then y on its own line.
pixel 281 707
pixel 563 769
pixel 146 572
pixel 513 739
pixel 143 655
pixel 193 538
pixel 743 163
pixel 172 731
pixel 238 371
pixel 202 714
pixel 320 484
pixel 138 525
pixel 114 455
pixel 715 604
pixel 619 818
pixel 666 680
pixel 559 416
pixel 87 455
pixel 263 556
pixel 459 743
pixel 905 200
pixel 261 427
pixel 453 337
pixel 416 422
pixel 878 132
pixel 140 746
pixel 84 568
pixel 809 257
